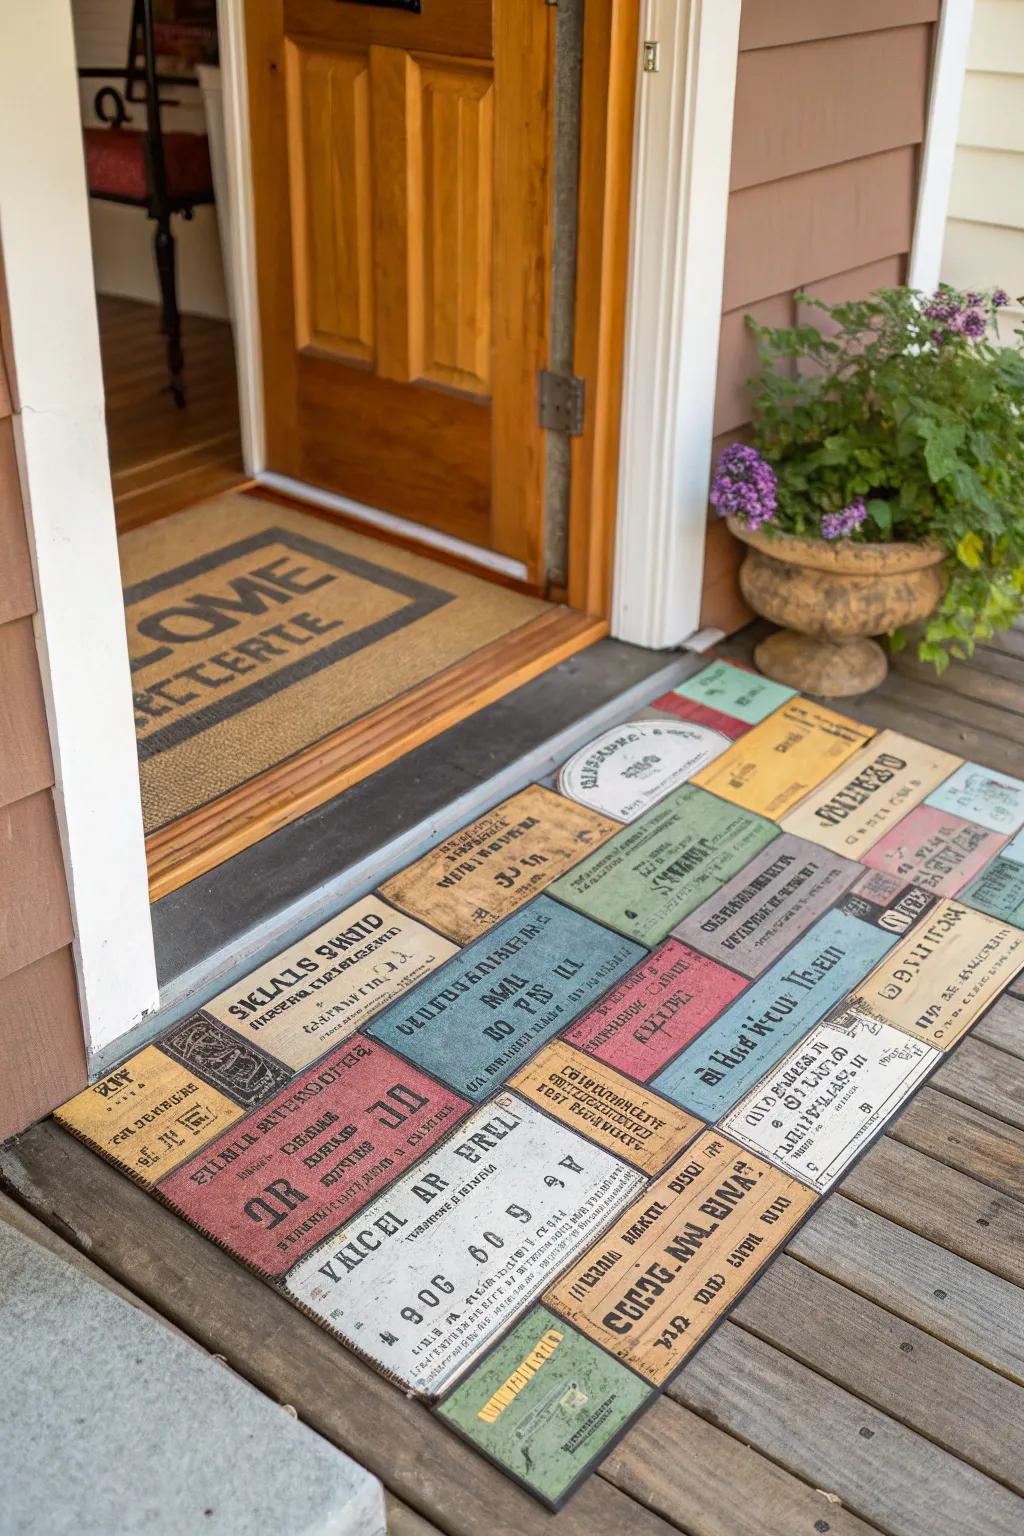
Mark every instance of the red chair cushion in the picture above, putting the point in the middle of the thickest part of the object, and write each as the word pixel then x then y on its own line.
pixel 115 163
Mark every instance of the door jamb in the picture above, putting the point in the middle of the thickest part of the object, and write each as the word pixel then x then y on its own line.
pixel 65 469
pixel 683 139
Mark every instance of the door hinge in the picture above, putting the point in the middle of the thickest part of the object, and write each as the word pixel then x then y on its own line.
pixel 560 402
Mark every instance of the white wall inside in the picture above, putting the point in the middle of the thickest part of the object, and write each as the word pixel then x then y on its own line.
pixel 122 237
pixel 984 244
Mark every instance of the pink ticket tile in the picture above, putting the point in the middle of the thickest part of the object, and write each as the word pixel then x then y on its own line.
pixel 657 1009
pixel 284 1178
pixel 934 849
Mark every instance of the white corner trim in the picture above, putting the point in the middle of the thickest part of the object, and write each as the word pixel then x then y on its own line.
pixel 682 156
pixel 65 468
pixel 949 66
pixel 242 242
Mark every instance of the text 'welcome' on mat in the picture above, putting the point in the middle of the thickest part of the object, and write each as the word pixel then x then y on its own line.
pixel 520 1127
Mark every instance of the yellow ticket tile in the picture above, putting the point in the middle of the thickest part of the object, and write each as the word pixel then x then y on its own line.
pixel 869 794
pixel 938 980
pixel 781 760
pixel 632 1122
pixel 670 1267
pixel 488 869
pixel 148 1115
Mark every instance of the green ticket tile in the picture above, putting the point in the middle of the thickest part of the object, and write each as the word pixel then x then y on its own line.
pixel 546 1404
pixel 745 695
pixel 998 890
pixel 650 876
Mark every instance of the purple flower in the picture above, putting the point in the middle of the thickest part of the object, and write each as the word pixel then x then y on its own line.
pixel 973 324
pixel 839 525
pixel 744 486
pixel 1000 298
pixel 974 298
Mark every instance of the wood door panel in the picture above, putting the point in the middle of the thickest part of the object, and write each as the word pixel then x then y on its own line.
pixel 452 26
pixel 457 128
pixel 332 215
pixel 424 455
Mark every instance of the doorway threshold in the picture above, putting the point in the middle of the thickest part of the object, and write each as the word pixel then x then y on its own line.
pixel 217 928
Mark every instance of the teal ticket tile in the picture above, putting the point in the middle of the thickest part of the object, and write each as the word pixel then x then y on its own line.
pixel 481 1014
pixel 747 696
pixel 727 1058
pixel 998 890
pixel 545 1404
pixel 993 800
pixel 1014 849
pixel 650 876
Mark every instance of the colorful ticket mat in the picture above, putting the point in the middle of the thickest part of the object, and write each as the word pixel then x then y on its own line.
pixel 521 1126
pixel 489 869
pixel 630 767
pixel 463 1242
pixel 772 767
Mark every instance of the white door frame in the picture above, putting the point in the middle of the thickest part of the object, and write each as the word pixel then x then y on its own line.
pixel 65 469
pixel 681 165
pixel 949 69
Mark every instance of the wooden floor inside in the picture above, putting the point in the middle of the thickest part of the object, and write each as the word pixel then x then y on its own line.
pixel 872 1381
pixel 164 458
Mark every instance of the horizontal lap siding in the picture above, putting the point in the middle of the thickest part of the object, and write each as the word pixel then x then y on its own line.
pixel 830 111
pixel 984 244
pixel 42 1053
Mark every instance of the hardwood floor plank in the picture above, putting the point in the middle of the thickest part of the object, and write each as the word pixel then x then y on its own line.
pixel 263 1337
pixel 964 1138
pixel 960 1303
pixel 1003 1024
pixel 942 1204
pixel 967 680
pixel 881 1470
pixel 899 1369
pixel 711 1484
pixel 988 1078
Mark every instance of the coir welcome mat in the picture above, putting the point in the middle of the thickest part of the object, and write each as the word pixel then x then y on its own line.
pixel 520 1127
pixel 255 630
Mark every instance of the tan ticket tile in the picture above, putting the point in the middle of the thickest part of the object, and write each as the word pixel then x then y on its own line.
pixel 148 1115
pixel 868 795
pixel 781 760
pixel 315 994
pixel 491 867
pixel 600 1103
pixel 675 1262
pixel 938 980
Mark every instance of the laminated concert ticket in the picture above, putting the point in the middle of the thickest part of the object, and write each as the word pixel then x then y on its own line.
pixel 943 975
pixel 545 1405
pixel 862 800
pixel 463 1243
pixel 673 1264
pixel 778 762
pixel 823 1103
pixel 629 767
pixel 492 867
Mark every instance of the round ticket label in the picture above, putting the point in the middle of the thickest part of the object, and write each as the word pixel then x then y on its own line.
pixel 629 767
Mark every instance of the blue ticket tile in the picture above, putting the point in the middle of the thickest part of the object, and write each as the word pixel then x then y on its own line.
pixel 993 800
pixel 479 1016
pixel 744 1042
pixel 998 890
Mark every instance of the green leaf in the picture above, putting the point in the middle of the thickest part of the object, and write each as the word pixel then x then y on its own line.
pixel 880 513
pixel 970 550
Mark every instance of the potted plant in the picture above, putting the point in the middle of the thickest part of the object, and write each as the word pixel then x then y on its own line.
pixel 883 487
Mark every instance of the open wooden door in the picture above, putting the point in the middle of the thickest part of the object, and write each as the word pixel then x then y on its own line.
pixel 401 176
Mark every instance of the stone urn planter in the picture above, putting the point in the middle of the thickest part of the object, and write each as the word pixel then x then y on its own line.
pixel 830 599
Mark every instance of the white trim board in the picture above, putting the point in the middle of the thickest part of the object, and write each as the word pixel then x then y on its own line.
pixel 949 66
pixel 65 468
pixel 682 153
pixel 241 252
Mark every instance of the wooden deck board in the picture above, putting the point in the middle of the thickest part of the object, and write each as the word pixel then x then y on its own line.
pixel 871 1383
